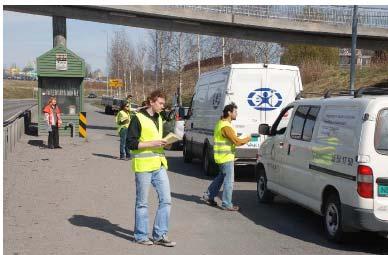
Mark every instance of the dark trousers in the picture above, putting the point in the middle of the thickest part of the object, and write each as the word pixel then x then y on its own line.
pixel 124 151
pixel 53 138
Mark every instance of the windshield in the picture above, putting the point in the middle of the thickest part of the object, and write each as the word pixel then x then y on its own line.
pixel 381 133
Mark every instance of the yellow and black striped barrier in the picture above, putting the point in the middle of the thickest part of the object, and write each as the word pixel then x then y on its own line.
pixel 82 124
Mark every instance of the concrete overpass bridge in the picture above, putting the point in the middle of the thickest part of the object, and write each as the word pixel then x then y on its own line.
pixel 319 25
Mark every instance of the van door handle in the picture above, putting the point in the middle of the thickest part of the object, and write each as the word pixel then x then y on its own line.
pixel 281 144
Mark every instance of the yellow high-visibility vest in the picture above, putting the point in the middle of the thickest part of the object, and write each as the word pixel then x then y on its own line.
pixel 148 159
pixel 224 149
pixel 121 116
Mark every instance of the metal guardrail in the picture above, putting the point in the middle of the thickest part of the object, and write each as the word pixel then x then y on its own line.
pixel 337 15
pixel 13 129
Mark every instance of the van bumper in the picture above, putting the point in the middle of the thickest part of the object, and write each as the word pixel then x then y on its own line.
pixel 362 219
pixel 245 156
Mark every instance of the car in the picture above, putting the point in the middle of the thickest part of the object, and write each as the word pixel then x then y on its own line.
pixel 176 125
pixel 330 155
pixel 92 95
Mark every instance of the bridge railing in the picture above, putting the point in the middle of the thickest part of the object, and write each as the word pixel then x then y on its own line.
pixel 14 128
pixel 338 15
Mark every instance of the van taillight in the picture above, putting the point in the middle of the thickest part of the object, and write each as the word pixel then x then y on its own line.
pixel 365 181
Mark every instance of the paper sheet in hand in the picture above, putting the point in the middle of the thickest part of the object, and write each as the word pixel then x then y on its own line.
pixel 171 138
pixel 243 136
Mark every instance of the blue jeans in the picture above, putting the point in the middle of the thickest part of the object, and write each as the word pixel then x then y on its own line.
pixel 124 151
pixel 226 177
pixel 159 180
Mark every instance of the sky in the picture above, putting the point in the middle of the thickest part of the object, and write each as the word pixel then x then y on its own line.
pixel 26 37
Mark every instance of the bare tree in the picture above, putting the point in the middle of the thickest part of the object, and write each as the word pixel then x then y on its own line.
pixel 141 63
pixel 181 45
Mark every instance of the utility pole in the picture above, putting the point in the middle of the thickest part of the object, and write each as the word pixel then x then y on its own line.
pixel 223 51
pixel 107 66
pixel 156 59
pixel 199 55
pixel 354 45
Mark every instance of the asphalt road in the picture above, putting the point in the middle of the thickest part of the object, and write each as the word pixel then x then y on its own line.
pixel 80 200
pixel 13 106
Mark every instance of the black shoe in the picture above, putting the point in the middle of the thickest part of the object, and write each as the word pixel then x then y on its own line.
pixel 50 147
pixel 209 201
pixel 165 242
pixel 58 147
pixel 122 158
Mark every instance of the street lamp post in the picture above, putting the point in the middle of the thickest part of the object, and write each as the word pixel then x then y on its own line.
pixel 354 47
pixel 107 66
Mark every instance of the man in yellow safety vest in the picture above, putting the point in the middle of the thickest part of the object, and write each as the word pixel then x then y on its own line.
pixel 145 139
pixel 225 142
pixel 122 121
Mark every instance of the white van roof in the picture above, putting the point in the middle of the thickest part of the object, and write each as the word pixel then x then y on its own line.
pixel 341 100
pixel 252 66
pixel 261 65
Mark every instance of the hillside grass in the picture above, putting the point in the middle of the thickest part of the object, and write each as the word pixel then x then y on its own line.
pixel 333 78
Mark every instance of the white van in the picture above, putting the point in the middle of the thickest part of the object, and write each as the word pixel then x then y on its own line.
pixel 259 91
pixel 331 155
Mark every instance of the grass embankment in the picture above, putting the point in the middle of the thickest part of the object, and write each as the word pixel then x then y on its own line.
pixel 334 79
pixel 14 89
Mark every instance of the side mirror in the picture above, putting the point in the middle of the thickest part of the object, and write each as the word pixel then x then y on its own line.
pixel 188 115
pixel 171 115
pixel 264 129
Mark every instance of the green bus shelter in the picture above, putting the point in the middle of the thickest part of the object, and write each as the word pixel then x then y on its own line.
pixel 61 73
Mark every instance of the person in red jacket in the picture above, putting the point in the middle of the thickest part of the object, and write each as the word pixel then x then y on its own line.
pixel 52 114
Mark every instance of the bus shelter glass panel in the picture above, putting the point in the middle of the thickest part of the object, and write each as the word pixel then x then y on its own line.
pixel 67 92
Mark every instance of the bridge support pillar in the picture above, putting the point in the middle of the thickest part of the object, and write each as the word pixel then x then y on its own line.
pixel 59 31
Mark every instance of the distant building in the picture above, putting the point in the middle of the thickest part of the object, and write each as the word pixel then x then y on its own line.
pixel 363 57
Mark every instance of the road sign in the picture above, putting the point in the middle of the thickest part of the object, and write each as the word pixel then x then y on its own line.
pixel 115 83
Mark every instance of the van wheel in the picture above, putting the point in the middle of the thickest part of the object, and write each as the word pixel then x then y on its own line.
pixel 187 157
pixel 263 194
pixel 333 218
pixel 208 164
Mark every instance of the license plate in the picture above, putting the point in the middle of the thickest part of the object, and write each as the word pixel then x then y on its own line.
pixel 382 191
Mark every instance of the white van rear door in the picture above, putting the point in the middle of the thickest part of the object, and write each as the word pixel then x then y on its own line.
pixel 243 84
pixel 379 166
pixel 283 85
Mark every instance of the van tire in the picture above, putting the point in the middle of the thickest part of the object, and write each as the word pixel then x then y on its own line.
pixel 187 156
pixel 332 218
pixel 208 164
pixel 264 196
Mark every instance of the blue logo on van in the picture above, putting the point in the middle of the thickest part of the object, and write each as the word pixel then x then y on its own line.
pixel 265 99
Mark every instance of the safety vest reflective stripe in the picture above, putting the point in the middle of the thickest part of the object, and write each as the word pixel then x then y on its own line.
pixel 148 155
pixel 224 151
pixel 222 143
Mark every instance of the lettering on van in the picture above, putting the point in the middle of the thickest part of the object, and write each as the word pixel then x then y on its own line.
pixel 265 99
pixel 339 159
pixel 216 99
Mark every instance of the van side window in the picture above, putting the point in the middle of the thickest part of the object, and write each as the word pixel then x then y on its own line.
pixel 280 125
pixel 298 122
pixel 310 123
pixel 381 132
pixel 302 127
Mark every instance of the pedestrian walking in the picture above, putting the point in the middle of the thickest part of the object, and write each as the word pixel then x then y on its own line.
pixel 52 114
pixel 150 166
pixel 122 121
pixel 225 142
